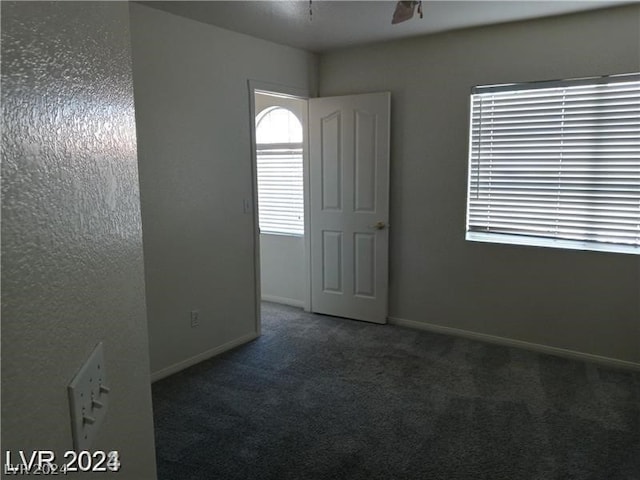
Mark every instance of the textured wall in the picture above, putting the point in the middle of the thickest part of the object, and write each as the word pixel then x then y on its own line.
pixel 194 144
pixel 72 266
pixel 581 301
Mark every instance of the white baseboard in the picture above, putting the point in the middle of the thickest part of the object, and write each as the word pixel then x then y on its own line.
pixel 284 300
pixel 509 342
pixel 176 367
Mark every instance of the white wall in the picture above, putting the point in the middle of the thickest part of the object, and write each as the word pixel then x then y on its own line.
pixel 282 268
pixel 192 110
pixel 72 267
pixel 587 302
pixel 283 271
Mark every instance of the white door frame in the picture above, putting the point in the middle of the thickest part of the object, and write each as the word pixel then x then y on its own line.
pixel 300 93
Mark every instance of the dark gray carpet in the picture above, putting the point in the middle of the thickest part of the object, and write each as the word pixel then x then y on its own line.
pixel 323 398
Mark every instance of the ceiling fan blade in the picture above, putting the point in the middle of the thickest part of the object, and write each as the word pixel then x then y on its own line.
pixel 404 11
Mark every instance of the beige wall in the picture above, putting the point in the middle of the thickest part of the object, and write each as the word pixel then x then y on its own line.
pixel 192 109
pixel 72 263
pixel 587 302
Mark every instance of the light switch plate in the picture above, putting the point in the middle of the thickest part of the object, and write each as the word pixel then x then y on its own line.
pixel 88 399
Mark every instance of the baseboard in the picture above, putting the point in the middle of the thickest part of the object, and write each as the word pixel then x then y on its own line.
pixel 283 300
pixel 509 342
pixel 176 367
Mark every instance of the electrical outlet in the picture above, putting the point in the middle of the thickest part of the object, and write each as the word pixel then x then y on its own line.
pixel 88 399
pixel 195 318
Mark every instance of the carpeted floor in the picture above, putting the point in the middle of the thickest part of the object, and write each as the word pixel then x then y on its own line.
pixel 317 397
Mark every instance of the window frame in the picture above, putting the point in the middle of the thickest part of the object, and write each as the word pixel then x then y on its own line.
pixel 280 147
pixel 473 233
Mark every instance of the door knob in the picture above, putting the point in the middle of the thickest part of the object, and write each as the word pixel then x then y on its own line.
pixel 379 226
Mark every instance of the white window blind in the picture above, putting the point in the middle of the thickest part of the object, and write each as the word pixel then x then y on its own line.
pixel 280 172
pixel 556 164
pixel 280 189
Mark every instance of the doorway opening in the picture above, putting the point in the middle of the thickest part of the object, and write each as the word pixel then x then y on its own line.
pixel 280 156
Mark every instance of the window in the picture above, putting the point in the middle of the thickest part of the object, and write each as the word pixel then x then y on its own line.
pixel 280 184
pixel 556 164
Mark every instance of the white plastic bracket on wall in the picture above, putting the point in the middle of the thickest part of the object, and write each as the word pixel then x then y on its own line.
pixel 88 400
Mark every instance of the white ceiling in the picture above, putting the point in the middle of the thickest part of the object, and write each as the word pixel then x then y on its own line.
pixel 336 24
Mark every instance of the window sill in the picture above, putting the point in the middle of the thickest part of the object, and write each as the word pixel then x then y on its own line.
pixel 502 238
pixel 280 234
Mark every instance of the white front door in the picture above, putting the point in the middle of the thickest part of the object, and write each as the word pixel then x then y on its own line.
pixel 349 205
